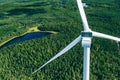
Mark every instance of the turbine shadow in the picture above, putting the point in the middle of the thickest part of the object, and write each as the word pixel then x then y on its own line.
pixel 118 43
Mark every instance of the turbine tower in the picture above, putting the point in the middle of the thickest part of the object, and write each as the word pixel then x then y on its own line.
pixel 85 37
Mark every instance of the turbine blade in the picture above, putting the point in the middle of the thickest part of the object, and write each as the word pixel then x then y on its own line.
pixel 73 43
pixel 101 35
pixel 83 16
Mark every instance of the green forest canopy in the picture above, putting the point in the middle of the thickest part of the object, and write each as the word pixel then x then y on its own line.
pixel 19 60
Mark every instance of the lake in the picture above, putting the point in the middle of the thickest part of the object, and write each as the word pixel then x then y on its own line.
pixel 28 36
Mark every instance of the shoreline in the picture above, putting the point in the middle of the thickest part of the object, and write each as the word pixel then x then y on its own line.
pixel 33 29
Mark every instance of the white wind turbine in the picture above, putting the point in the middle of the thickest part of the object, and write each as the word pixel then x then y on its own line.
pixel 86 37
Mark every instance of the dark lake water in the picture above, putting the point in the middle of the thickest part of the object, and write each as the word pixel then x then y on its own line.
pixel 28 36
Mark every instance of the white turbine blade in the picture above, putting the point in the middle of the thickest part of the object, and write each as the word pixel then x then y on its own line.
pixel 101 35
pixel 73 43
pixel 83 16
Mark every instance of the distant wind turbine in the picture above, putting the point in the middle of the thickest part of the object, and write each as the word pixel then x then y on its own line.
pixel 85 37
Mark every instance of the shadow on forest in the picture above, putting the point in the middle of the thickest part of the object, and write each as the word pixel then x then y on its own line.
pixel 2 15
pixel 26 11
pixel 37 4
pixel 118 2
pixel 1 24
pixel 23 0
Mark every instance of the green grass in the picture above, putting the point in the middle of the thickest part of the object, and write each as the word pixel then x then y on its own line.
pixel 18 61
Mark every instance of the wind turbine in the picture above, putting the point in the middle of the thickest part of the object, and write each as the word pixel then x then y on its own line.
pixel 85 37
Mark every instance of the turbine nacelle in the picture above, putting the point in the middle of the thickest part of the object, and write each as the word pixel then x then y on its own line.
pixel 86 38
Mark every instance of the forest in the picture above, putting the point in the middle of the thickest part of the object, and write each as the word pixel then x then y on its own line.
pixel 18 61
